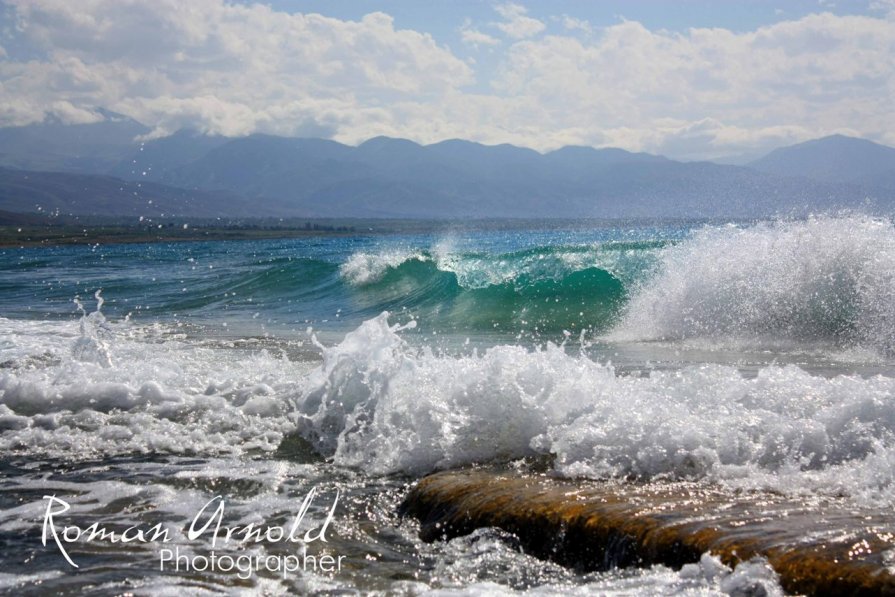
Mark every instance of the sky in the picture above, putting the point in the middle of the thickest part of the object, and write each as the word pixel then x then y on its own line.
pixel 689 79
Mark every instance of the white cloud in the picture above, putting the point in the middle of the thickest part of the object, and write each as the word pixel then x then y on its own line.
pixel 638 87
pixel 475 38
pixel 234 69
pixel 516 23
pixel 226 68
pixel 886 7
pixel 573 24
pixel 70 114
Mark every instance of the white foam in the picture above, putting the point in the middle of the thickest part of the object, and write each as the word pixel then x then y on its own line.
pixel 150 394
pixel 478 555
pixel 380 404
pixel 384 406
pixel 829 280
pixel 366 268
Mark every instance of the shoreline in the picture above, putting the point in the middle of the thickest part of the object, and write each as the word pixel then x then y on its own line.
pixel 31 230
pixel 105 235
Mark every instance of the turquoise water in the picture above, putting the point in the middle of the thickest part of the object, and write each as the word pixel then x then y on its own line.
pixel 139 381
pixel 464 282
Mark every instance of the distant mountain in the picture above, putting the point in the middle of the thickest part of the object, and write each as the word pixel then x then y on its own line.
pixel 264 166
pixel 143 161
pixel 59 193
pixel 262 175
pixel 833 159
pixel 386 177
pixel 86 148
pixel 9 218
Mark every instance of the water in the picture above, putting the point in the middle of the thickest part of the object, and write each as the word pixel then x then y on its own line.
pixel 747 357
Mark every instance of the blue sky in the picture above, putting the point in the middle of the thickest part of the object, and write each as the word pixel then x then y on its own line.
pixel 690 79
pixel 443 18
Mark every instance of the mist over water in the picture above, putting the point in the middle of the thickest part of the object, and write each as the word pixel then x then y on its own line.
pixel 747 356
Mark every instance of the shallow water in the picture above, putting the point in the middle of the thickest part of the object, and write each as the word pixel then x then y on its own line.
pixel 744 357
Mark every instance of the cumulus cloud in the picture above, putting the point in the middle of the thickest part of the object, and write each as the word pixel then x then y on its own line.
pixel 226 68
pixel 517 24
pixel 475 38
pixel 887 7
pixel 821 73
pixel 71 114
pixel 573 24
pixel 235 69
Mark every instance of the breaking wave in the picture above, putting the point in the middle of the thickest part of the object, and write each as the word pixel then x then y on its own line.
pixel 827 281
pixel 544 289
pixel 379 404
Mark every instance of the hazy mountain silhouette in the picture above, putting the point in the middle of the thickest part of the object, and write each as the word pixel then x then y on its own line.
pixel 265 175
pixel 399 178
pixel 87 148
pixel 833 159
pixel 66 194
pixel 160 155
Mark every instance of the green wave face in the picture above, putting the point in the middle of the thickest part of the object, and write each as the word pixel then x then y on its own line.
pixel 545 289
pixel 587 299
pixel 278 281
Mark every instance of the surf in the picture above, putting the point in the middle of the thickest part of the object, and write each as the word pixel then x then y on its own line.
pixel 542 289
pixel 826 281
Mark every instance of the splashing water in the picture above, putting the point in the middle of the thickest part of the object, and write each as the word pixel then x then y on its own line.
pixel 93 346
pixel 380 404
pixel 116 408
pixel 826 280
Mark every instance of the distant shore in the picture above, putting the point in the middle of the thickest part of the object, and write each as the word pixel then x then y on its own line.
pixel 36 236
pixel 27 230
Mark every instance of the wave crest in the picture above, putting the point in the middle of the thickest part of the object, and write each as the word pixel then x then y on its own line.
pixel 542 289
pixel 824 280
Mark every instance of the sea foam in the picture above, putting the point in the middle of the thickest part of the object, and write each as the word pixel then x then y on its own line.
pixel 380 404
pixel 826 280
pixel 149 392
pixel 383 405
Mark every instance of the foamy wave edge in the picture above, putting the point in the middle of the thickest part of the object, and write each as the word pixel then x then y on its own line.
pixel 379 404
pixel 827 280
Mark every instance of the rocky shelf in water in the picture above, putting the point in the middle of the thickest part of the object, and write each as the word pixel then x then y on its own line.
pixel 817 545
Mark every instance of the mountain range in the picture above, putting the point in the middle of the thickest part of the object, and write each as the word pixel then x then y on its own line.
pixel 100 169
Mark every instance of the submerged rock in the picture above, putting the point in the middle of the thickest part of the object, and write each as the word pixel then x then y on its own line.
pixel 816 546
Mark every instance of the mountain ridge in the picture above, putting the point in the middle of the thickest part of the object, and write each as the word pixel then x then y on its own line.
pixel 268 176
pixel 67 194
pixel 835 158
